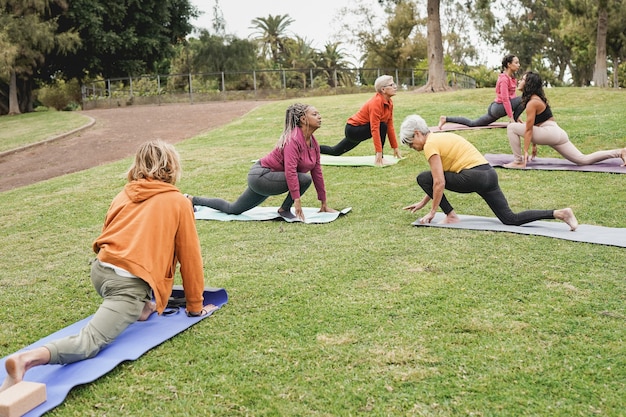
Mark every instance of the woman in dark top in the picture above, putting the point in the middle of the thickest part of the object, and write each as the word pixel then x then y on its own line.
pixel 541 129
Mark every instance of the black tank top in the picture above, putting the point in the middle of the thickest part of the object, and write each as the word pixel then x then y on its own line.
pixel 543 116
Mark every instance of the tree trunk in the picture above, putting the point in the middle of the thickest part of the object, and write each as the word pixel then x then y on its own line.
pixel 14 105
pixel 436 75
pixel 600 77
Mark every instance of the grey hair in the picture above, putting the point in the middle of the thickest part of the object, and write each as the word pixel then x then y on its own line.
pixel 382 81
pixel 410 125
pixel 293 114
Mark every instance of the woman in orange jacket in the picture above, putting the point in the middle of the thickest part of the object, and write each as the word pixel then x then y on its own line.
pixel 149 228
pixel 374 120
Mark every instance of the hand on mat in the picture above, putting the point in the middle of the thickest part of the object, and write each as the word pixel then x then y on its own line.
pixel 427 218
pixel 326 209
pixel 297 207
pixel 378 159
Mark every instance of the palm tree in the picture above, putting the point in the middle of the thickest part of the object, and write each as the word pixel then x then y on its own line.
pixel 332 59
pixel 271 31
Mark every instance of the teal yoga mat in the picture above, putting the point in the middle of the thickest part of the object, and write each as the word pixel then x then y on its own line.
pixel 136 340
pixel 311 215
pixel 556 229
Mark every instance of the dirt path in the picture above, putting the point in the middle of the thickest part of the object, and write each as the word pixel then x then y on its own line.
pixel 115 134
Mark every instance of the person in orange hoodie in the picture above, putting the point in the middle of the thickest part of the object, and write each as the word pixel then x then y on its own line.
pixel 374 120
pixel 148 230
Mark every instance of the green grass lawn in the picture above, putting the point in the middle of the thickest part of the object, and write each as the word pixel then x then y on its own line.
pixel 366 315
pixel 28 128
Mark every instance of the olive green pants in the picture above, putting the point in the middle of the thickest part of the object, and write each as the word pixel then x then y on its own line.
pixel 123 302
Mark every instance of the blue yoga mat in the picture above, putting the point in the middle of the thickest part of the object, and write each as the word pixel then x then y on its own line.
pixel 136 340
pixel 556 229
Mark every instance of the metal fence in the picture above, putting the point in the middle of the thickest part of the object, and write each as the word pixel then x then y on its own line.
pixel 242 85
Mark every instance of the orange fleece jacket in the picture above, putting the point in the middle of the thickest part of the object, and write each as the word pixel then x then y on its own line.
pixel 376 110
pixel 148 229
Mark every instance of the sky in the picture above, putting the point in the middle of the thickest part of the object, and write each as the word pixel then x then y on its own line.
pixel 317 21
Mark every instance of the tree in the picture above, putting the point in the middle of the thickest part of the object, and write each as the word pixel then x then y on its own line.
pixel 616 37
pixel 436 75
pixel 331 60
pixel 271 32
pixel 394 42
pixel 122 37
pixel 600 78
pixel 30 30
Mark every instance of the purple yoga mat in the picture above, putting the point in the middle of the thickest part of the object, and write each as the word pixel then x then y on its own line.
pixel 612 165
pixel 449 127
pixel 136 340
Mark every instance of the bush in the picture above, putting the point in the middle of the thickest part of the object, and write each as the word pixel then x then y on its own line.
pixel 61 95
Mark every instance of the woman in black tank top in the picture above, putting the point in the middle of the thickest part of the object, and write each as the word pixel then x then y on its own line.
pixel 541 129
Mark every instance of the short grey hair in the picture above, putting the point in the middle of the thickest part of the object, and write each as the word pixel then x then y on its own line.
pixel 410 125
pixel 382 81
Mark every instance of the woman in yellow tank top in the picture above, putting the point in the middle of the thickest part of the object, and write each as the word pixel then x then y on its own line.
pixel 456 165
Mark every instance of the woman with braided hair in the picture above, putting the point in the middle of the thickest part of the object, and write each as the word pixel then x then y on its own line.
pixel 285 169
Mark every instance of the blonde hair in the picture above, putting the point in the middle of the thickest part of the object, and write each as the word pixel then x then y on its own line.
pixel 293 114
pixel 382 81
pixel 157 160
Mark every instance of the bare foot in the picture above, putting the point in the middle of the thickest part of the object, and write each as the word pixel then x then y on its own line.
pixel 515 165
pixel 442 121
pixel 567 215
pixel 16 365
pixel 13 375
pixel 450 219
pixel 623 156
pixel 148 308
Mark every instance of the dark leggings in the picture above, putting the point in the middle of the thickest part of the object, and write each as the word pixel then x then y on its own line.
pixel 353 136
pixel 494 112
pixel 482 180
pixel 262 183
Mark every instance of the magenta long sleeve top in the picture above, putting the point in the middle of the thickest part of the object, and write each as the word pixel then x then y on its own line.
pixel 296 157
pixel 505 91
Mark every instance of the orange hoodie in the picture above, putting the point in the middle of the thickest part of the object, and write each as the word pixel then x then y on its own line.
pixel 148 229
pixel 375 110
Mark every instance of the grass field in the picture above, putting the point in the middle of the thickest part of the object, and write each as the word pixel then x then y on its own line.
pixel 366 315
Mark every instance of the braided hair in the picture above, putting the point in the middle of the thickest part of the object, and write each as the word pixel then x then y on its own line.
pixel 292 120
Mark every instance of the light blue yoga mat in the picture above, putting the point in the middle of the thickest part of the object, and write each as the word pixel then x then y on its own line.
pixel 136 340
pixel 356 161
pixel 556 229
pixel 311 215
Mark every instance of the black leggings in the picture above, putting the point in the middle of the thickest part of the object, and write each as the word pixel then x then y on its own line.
pixel 482 180
pixel 495 111
pixel 353 136
pixel 262 183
